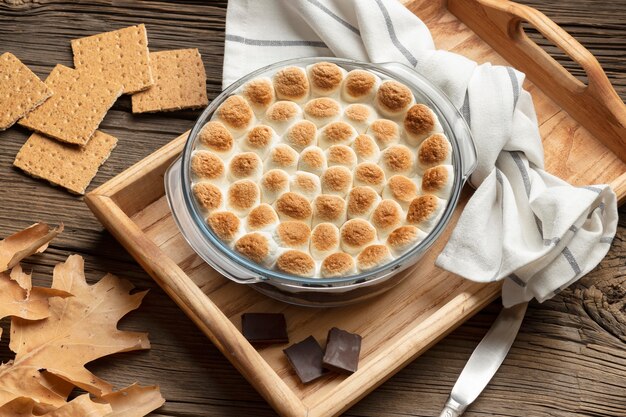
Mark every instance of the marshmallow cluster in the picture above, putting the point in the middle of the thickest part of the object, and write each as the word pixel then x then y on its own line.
pixel 322 172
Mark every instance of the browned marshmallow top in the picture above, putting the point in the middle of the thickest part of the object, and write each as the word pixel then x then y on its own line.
pixel 419 120
pixel 361 201
pixel 259 92
pixel 253 246
pixel 356 233
pixel 322 108
pixel 421 208
pixel 372 257
pixel 365 147
pixel 402 189
pixel 325 237
pixel 329 208
pixel 208 195
pixel 301 135
pixel 294 206
pixel 385 132
pixel 296 262
pixel 224 224
pixel 434 150
pixel 207 165
pixel 259 137
pixel 293 233
pixel 216 137
pixel 275 180
pixel 435 179
pixel 336 179
pixel 235 112
pixel 291 83
pixel 368 173
pixel 337 264
pixel 387 215
pixel 393 96
pixel 261 216
pixel 245 164
pixel 243 195
pixel 359 83
pixel 325 76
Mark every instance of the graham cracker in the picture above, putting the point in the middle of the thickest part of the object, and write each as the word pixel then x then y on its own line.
pixel 20 90
pixel 72 167
pixel 78 105
pixel 120 55
pixel 180 82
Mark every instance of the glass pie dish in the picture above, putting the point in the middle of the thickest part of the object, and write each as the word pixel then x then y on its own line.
pixel 323 292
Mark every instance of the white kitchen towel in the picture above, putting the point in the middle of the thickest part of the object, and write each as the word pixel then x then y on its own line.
pixel 522 224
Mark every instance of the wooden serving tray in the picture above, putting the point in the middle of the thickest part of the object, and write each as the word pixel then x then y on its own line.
pixel 583 129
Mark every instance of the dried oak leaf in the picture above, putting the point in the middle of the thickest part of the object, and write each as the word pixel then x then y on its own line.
pixel 80 406
pixel 19 299
pixel 22 244
pixel 79 330
pixel 133 401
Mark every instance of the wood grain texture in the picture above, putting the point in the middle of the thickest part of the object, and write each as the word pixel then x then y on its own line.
pixel 569 359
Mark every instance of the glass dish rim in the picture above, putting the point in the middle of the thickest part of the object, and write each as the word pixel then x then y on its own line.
pixel 266 274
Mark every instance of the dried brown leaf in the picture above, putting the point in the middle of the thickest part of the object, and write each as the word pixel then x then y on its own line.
pixel 22 244
pixel 134 401
pixel 79 330
pixel 19 299
pixel 79 407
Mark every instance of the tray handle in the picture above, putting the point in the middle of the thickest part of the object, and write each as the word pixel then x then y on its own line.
pixel 596 105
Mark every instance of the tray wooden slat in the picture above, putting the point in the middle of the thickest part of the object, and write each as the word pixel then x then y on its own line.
pixel 398 325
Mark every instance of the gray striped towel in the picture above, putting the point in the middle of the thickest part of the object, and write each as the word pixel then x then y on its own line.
pixel 522 224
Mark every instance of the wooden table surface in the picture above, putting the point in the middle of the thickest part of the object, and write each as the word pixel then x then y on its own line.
pixel 569 358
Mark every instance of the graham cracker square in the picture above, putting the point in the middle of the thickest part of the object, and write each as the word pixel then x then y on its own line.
pixel 70 166
pixel 180 83
pixel 120 56
pixel 20 90
pixel 78 105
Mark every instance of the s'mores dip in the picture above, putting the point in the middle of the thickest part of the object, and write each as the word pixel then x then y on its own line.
pixel 322 172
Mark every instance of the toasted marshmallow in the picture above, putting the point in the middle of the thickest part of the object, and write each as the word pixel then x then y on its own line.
pixel 274 183
pixel 385 132
pixel 207 165
pixel 393 99
pixel 293 206
pixel 216 138
pixel 282 114
pixel 425 211
pixel 329 209
pixel 369 174
pixel 225 225
pixel 438 181
pixel 259 140
pixel 361 202
pixel 337 265
pixel 324 240
pixel 322 111
pixel 401 189
pixel 355 235
pixel 208 196
pixel 420 122
pixel 242 196
pixel 293 235
pixel 366 148
pixel 359 116
pixel 258 247
pixel 301 135
pixel 372 257
pixel 313 160
pixel 291 83
pixel 359 85
pixel 341 155
pixel 245 165
pixel 236 114
pixel 404 238
pixel 325 78
pixel 282 157
pixel 336 180
pixel 306 184
pixel 386 217
pixel 296 262
pixel 262 217
pixel 336 133
pixel 398 160
pixel 435 150
pixel 260 94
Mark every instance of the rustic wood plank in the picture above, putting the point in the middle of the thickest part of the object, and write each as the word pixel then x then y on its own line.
pixel 568 360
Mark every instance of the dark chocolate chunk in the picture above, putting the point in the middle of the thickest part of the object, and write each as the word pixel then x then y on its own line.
pixel 264 328
pixel 306 359
pixel 342 351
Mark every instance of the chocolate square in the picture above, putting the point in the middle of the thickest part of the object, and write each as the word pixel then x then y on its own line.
pixel 306 359
pixel 264 328
pixel 342 351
